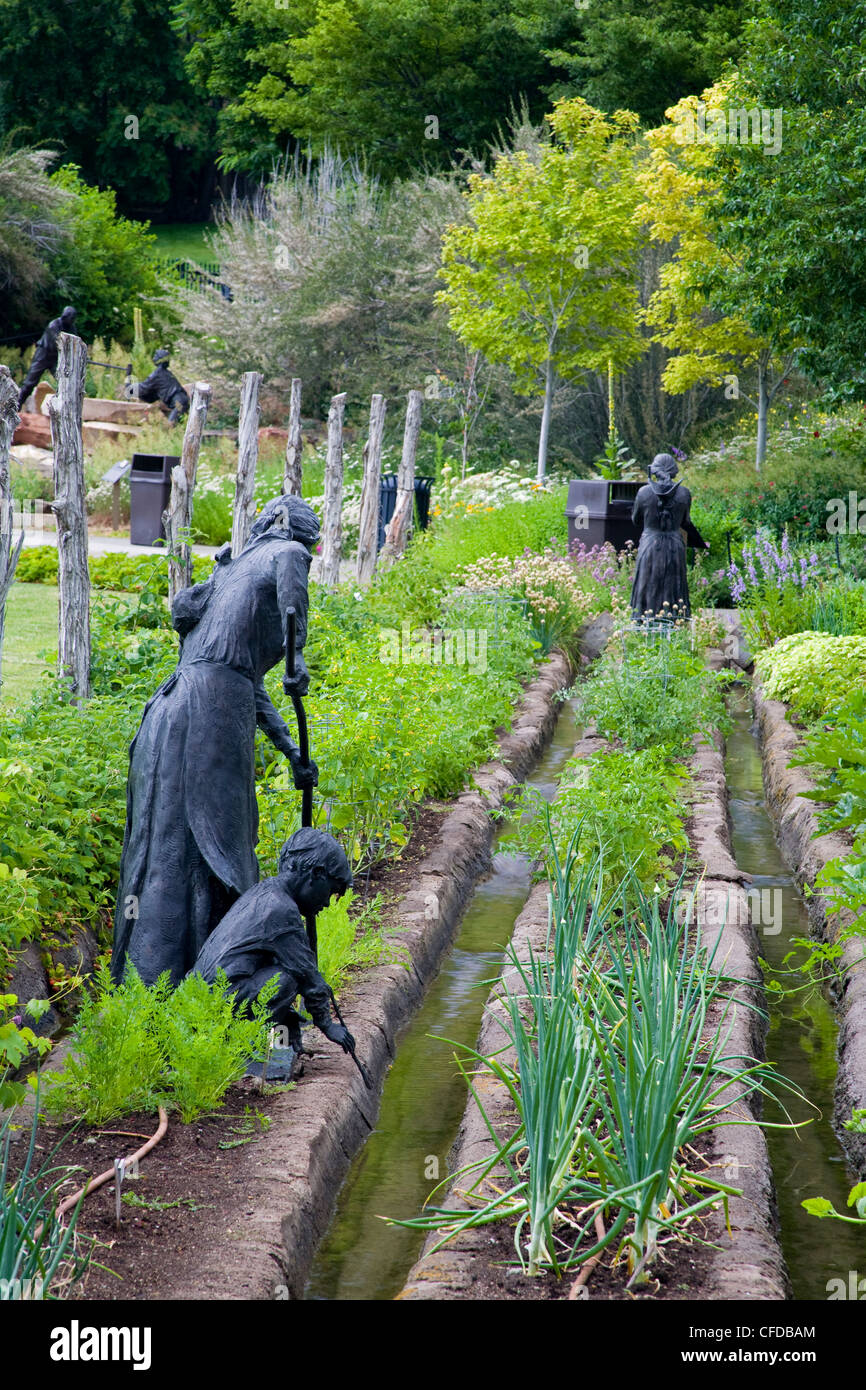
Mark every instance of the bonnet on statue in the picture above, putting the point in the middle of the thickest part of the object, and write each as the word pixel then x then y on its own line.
pixel 288 517
pixel 662 476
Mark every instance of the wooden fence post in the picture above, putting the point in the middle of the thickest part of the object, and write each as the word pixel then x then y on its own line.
pixel 368 533
pixel 248 453
pixel 294 443
pixel 73 576
pixel 332 529
pixel 399 528
pixel 178 514
pixel 8 556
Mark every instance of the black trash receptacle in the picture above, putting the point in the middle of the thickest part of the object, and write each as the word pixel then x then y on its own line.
pixel 599 510
pixel 388 501
pixel 423 487
pixel 149 493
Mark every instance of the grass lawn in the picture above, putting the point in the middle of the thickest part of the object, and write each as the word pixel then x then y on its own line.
pixel 31 627
pixel 183 240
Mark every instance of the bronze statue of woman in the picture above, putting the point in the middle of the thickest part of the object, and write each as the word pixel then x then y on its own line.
pixel 192 817
pixel 660 587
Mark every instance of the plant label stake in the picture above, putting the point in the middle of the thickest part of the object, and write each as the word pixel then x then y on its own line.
pixel 118 1180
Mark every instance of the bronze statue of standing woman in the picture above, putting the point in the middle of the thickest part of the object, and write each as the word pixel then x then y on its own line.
pixel 192 819
pixel 660 588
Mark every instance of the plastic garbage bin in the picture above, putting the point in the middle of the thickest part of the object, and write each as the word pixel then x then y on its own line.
pixel 149 493
pixel 388 501
pixel 423 488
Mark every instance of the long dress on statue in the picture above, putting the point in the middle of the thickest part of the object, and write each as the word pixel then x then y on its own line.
pixel 662 510
pixel 192 817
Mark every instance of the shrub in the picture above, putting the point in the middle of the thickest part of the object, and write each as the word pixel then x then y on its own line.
pixel 207 1041
pixel 115 1061
pixel 654 692
pixel 812 672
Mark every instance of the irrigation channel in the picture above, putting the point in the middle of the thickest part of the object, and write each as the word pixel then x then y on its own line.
pixel 361 1258
pixel 801 1042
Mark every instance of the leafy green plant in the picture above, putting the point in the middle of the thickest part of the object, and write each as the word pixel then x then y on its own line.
pixel 17 1041
pixel 822 1206
pixel 631 804
pixel 207 1040
pixel 134 1046
pixel 615 461
pixel 115 1062
pixel 653 691
pixel 812 672
pixel 350 939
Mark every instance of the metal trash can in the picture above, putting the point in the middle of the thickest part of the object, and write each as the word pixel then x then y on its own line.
pixel 599 510
pixel 423 487
pixel 149 493
pixel 388 501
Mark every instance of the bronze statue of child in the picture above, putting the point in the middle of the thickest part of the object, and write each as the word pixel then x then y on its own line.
pixel 263 935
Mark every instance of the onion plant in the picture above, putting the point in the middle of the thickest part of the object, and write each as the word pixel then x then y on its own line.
pixel 35 1247
pixel 616 1069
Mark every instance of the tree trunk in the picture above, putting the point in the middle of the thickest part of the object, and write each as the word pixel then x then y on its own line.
pixel 399 528
pixel 73 576
pixel 332 529
pixel 545 421
pixel 763 406
pixel 178 515
pixel 8 555
pixel 294 443
pixel 248 453
pixel 369 525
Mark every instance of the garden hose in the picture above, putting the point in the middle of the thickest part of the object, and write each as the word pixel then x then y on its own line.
pixel 69 1202
pixel 583 1277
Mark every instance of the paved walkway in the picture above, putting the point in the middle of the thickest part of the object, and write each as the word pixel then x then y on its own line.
pixel 110 545
pixel 121 545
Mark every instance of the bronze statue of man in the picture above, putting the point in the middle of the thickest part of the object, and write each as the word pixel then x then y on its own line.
pixel 192 818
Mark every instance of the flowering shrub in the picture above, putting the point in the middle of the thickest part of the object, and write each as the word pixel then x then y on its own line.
pixel 783 593
pixel 769 583
pixel 812 672
pixel 481 492
pixel 557 595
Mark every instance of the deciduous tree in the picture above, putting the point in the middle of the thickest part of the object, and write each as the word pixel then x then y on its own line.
pixel 542 276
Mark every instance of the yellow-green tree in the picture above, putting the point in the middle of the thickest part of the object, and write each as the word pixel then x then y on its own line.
pixel 708 310
pixel 542 276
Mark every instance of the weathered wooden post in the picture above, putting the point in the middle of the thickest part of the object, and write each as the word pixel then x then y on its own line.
pixel 178 514
pixel 73 576
pixel 399 528
pixel 8 556
pixel 368 533
pixel 248 453
pixel 332 529
pixel 294 443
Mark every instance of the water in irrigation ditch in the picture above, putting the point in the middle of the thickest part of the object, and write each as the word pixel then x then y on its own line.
pixel 801 1043
pixel 424 1097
